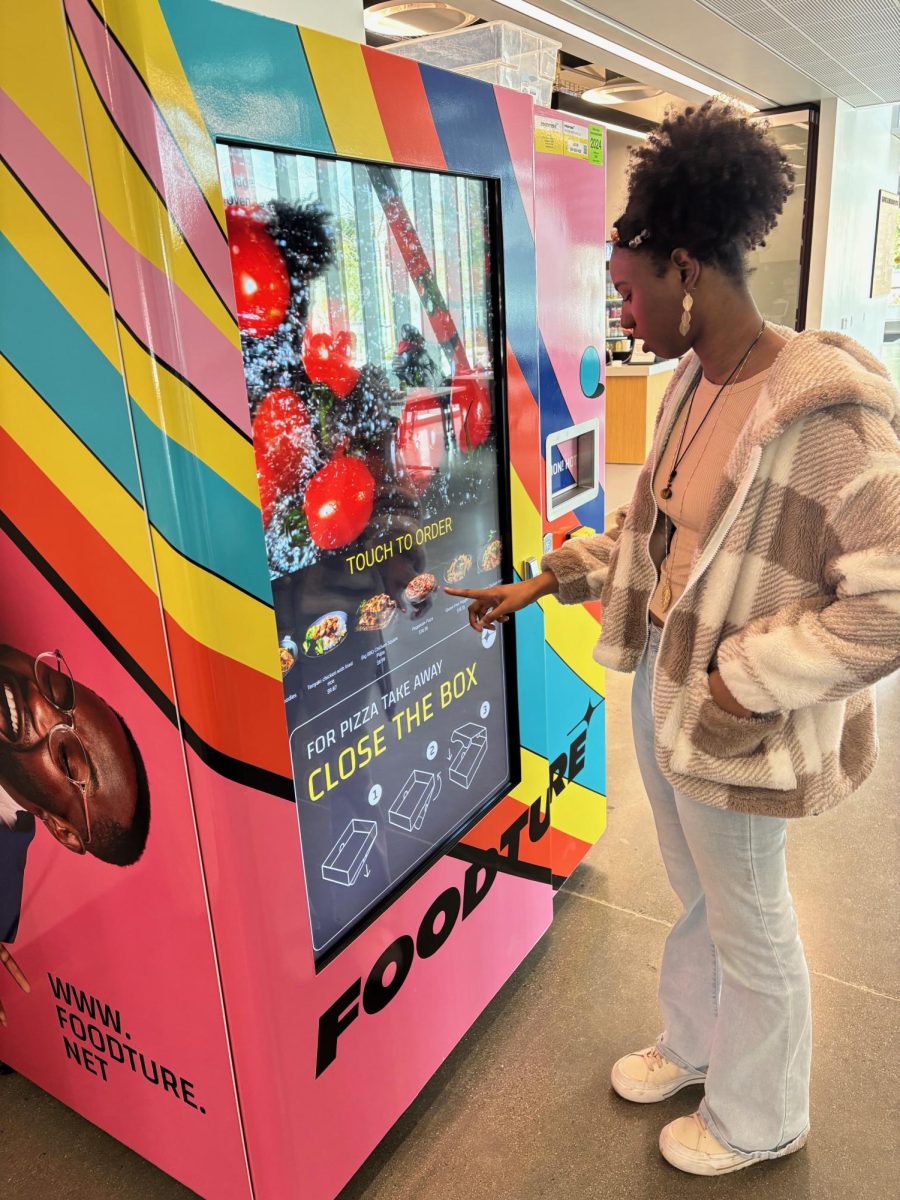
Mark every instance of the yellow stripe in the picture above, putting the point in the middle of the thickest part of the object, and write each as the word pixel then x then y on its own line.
pixel 526 524
pixel 142 30
pixel 55 450
pixel 535 775
pixel 579 812
pixel 345 93
pixel 36 72
pixel 169 403
pixel 130 204
pixel 215 613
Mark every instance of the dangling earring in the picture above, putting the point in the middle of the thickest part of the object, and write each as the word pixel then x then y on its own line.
pixel 687 304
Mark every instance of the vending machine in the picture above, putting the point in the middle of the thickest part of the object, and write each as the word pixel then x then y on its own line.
pixel 294 336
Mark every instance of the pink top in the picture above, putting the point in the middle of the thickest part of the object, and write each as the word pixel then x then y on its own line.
pixel 699 474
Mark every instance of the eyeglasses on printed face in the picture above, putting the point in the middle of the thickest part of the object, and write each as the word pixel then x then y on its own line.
pixel 57 686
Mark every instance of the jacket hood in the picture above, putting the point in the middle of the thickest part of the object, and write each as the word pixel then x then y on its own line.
pixel 819 370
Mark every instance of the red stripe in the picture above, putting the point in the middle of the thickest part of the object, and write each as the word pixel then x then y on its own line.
pixel 403 108
pixel 117 596
pixel 524 430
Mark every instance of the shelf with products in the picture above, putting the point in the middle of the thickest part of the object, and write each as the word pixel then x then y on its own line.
pixel 618 342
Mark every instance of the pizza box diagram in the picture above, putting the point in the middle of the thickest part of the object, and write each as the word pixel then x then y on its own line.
pixel 409 809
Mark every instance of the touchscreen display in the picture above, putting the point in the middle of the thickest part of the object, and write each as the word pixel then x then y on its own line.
pixel 370 336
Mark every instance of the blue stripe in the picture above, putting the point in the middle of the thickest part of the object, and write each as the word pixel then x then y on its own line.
pixel 249 75
pixel 210 523
pixel 468 124
pixel 555 414
pixel 570 697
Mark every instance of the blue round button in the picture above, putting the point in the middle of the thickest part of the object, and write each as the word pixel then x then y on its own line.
pixel 589 372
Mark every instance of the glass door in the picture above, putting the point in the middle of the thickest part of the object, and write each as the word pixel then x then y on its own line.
pixel 780 269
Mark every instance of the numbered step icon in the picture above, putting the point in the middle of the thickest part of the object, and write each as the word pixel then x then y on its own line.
pixel 488 637
pixel 485 710
pixel 374 794
pixel 432 752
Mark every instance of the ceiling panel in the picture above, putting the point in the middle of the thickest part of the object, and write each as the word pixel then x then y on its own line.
pixel 851 48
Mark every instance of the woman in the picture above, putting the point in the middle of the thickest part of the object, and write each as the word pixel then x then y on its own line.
pixel 753 583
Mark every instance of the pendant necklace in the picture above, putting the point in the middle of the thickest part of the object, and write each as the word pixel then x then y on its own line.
pixel 666 493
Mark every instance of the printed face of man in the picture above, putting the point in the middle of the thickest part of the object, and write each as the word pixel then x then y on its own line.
pixel 34 769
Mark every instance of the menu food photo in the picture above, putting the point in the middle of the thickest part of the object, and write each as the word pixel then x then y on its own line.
pixel 370 334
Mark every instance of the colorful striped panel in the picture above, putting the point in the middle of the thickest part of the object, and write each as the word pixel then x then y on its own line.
pixel 103 425
pixel 403 107
pixel 276 104
pixel 30 74
pixel 131 207
pixel 123 93
pixel 346 97
pixel 141 34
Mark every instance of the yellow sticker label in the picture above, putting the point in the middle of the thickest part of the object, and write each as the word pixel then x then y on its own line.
pixel 548 135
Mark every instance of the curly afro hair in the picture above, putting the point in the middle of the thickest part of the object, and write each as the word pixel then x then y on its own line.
pixel 708 180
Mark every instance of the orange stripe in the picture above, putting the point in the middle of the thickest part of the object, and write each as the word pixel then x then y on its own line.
pixel 403 108
pixel 490 829
pixel 230 706
pixel 566 852
pixel 118 597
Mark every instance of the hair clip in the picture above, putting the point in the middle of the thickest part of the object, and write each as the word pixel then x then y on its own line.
pixel 614 236
pixel 643 236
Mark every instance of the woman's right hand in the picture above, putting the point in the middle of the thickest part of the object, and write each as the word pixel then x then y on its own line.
pixel 498 603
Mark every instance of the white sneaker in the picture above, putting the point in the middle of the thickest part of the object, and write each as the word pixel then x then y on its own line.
pixel 646 1077
pixel 687 1144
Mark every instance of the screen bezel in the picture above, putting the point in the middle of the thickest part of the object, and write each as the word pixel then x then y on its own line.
pixel 493 184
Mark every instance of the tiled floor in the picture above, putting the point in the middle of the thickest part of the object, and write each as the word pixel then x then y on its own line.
pixel 523 1110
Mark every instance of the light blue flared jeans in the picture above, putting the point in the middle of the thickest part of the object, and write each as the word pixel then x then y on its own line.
pixel 734 985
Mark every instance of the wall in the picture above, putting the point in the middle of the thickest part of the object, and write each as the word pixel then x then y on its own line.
pixel 618 151
pixel 857 156
pixel 344 18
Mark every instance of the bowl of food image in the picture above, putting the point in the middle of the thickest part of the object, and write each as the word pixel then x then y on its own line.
pixel 419 588
pixel 458 569
pixel 375 613
pixel 287 654
pixel 325 635
pixel 491 555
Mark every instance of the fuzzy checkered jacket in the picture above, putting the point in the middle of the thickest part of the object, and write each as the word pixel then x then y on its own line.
pixel 794 592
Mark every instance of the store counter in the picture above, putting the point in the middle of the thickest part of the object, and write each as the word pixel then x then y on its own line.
pixel 633 394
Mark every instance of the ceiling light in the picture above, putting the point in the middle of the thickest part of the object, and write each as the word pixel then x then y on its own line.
pixel 624 91
pixel 594 39
pixel 415 18
pixel 602 96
